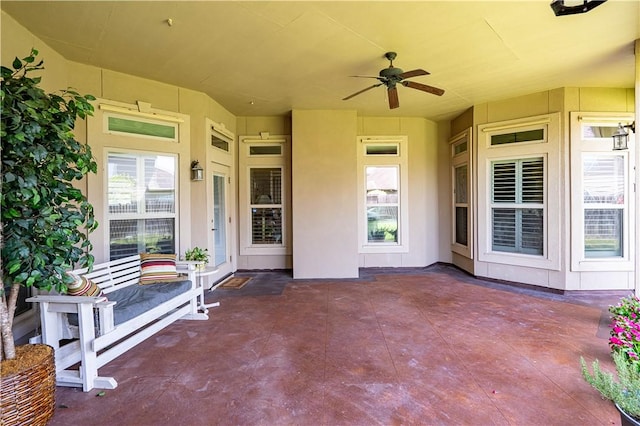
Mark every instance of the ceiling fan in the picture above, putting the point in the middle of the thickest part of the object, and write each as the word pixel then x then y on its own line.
pixel 391 76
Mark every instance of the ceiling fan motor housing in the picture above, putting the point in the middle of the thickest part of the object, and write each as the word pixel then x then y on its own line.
pixel 391 73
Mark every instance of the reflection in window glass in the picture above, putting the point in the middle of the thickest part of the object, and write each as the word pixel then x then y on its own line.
pixel 517 137
pixel 382 206
pixel 381 149
pixel 141 197
pixel 598 131
pixel 144 128
pixel 604 188
pixel 461 184
pixel 602 233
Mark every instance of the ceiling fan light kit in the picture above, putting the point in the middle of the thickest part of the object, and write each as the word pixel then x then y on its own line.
pixel 391 76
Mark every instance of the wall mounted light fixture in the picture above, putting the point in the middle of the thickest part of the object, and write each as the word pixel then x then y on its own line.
pixel 197 173
pixel 621 136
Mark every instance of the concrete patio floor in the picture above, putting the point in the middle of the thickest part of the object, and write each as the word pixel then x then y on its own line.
pixel 411 346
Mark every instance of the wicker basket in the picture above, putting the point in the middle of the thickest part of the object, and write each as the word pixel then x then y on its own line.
pixel 28 396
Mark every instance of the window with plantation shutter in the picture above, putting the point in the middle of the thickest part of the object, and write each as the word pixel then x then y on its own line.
pixel 265 195
pixel 266 205
pixel 520 197
pixel 517 206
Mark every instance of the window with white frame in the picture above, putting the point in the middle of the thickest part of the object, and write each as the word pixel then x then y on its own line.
pixel 461 194
pixel 264 188
pixel 602 224
pixel 519 195
pixel 382 188
pixel 141 200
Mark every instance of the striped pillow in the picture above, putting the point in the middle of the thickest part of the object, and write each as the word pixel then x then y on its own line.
pixel 82 286
pixel 157 268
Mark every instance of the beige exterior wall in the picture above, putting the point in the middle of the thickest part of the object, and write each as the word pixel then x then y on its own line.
pixel 423 190
pixel 324 175
pixel 324 194
pixel 253 126
pixel 564 100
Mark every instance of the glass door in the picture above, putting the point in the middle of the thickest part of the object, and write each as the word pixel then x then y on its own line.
pixel 220 246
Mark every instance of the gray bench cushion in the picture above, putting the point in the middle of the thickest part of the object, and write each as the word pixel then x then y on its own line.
pixel 136 299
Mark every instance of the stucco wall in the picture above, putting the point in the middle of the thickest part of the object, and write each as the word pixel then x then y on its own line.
pixel 324 196
pixel 563 100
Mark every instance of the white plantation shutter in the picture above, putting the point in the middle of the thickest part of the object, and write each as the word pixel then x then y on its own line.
pixel 266 205
pixel 517 197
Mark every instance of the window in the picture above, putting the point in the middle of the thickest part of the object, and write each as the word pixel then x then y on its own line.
pixel 221 138
pixel 141 198
pixel 382 204
pixel 266 205
pixel 382 189
pixel 461 174
pixel 264 198
pixel 517 206
pixel 141 127
pixel 461 196
pixel 519 196
pixel 602 224
pixel 604 201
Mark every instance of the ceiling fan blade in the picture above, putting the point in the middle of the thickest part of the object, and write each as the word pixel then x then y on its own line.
pixel 413 73
pixel 365 76
pixel 423 87
pixel 393 97
pixel 361 91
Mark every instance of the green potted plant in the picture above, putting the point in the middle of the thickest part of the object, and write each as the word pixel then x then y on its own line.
pixel 198 254
pixel 623 389
pixel 45 219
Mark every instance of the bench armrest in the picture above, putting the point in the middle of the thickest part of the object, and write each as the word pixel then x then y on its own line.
pixel 66 299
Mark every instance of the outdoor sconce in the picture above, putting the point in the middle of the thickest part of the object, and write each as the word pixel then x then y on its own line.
pixel 621 137
pixel 197 173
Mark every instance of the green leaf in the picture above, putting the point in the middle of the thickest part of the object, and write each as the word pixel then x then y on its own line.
pixel 17 64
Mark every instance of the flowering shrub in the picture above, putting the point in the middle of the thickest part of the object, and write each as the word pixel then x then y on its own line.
pixel 625 329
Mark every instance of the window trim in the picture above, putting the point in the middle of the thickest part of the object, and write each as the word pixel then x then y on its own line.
pixel 580 147
pixel 108 217
pixel 246 163
pixel 460 159
pixel 549 149
pixel 399 160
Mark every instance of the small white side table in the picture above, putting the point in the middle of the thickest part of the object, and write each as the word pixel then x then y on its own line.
pixel 200 275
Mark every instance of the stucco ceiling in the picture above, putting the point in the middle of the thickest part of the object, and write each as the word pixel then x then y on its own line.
pixel 269 57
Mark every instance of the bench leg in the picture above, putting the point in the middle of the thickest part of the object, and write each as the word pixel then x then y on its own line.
pixel 194 306
pixel 89 362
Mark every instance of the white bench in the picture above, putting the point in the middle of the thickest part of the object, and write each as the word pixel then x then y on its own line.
pixel 100 337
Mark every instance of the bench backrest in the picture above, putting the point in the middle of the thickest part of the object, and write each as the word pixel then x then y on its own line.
pixel 110 276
